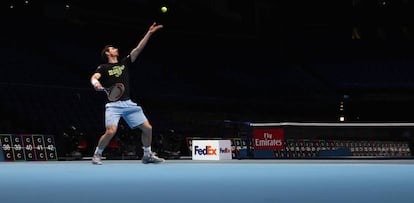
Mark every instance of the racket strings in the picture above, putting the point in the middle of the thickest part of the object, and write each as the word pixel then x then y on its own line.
pixel 116 92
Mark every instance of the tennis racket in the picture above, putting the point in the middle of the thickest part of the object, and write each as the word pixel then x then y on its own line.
pixel 115 92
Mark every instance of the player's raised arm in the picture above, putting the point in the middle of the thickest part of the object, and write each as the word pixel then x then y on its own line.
pixel 138 49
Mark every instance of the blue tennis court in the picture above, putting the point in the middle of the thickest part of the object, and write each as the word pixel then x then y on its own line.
pixel 289 181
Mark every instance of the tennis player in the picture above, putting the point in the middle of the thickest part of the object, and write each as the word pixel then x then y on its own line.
pixel 116 71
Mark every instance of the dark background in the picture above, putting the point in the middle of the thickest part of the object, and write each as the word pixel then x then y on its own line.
pixel 214 60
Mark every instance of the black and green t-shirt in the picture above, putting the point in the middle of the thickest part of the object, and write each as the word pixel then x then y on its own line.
pixel 112 73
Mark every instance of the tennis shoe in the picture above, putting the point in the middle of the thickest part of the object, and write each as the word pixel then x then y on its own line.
pixel 97 159
pixel 152 158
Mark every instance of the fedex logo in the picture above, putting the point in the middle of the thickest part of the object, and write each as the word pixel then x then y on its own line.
pixel 225 150
pixel 211 149
pixel 208 150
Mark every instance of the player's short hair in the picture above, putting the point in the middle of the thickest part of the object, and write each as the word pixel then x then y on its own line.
pixel 105 49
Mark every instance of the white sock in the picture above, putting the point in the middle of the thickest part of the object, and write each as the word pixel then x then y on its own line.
pixel 98 151
pixel 147 150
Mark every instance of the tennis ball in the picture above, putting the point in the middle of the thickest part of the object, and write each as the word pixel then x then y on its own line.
pixel 164 9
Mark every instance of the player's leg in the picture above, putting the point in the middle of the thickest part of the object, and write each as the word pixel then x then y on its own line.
pixel 102 143
pixel 146 136
pixel 136 118
pixel 107 136
pixel 112 116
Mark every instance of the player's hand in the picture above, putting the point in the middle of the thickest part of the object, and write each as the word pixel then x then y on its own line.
pixel 154 27
pixel 98 87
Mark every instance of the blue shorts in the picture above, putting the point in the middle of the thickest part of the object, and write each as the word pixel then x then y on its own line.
pixel 128 110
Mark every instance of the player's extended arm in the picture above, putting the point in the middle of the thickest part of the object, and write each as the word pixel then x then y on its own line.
pixel 138 49
pixel 95 81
